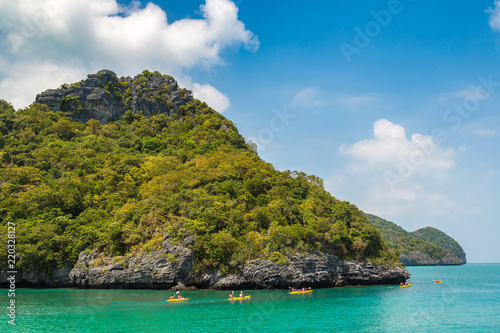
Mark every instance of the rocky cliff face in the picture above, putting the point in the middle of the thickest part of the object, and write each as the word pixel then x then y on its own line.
pixel 171 268
pixel 165 268
pixel 104 96
pixel 417 258
pixel 59 278
pixel 316 271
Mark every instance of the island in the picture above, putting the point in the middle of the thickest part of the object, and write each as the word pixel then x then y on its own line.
pixel 424 247
pixel 133 183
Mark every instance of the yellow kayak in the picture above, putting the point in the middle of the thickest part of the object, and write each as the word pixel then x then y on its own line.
pixel 439 282
pixel 408 285
pixel 178 300
pixel 301 292
pixel 238 298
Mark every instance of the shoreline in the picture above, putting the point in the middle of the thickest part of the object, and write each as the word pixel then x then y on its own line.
pixel 153 272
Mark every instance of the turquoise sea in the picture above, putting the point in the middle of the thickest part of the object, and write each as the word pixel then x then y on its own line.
pixel 468 300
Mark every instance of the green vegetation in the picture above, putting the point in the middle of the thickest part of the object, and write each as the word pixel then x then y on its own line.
pixel 408 242
pixel 118 187
pixel 439 238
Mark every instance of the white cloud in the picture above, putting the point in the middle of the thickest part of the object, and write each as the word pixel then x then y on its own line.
pixel 308 98
pixel 485 132
pixel 471 91
pixel 89 35
pixel 317 99
pixel 354 101
pixel 207 94
pixel 495 16
pixel 394 175
pixel 392 151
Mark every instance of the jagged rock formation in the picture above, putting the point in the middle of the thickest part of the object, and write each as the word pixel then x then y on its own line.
pixel 171 268
pixel 58 278
pixel 104 96
pixel 317 271
pixel 162 269
pixel 417 258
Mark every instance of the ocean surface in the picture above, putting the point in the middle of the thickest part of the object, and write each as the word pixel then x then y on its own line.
pixel 468 300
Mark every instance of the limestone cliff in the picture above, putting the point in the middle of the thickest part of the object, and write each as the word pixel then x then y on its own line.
pixel 170 267
pixel 104 96
pixel 417 258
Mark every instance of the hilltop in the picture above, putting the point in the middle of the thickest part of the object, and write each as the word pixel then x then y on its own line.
pixel 133 183
pixel 426 246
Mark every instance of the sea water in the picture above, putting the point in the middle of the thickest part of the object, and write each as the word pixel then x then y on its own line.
pixel 468 300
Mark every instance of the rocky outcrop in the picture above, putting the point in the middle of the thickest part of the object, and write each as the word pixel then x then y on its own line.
pixel 104 96
pixel 164 268
pixel 417 258
pixel 317 271
pixel 58 278
pixel 170 267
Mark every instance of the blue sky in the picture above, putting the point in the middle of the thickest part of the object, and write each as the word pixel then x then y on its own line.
pixel 393 103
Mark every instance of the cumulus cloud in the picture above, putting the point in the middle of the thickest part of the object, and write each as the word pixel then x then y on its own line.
pixel 495 16
pixel 207 93
pixel 393 174
pixel 67 38
pixel 391 151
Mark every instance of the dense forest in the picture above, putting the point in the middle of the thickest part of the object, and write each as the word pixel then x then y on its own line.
pixel 431 242
pixel 439 238
pixel 119 187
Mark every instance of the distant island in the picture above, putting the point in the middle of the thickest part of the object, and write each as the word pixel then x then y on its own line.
pixel 133 183
pixel 424 247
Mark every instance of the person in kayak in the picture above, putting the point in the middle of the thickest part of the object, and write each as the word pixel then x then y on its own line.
pixel 231 295
pixel 241 294
pixel 180 297
pixel 172 297
pixel 401 284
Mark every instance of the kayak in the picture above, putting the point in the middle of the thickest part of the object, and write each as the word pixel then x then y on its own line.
pixel 301 292
pixel 439 282
pixel 238 298
pixel 408 285
pixel 178 300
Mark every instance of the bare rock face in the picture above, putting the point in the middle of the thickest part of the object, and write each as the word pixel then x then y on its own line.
pixel 317 271
pixel 104 96
pixel 156 271
pixel 418 258
pixel 171 267
pixel 164 268
pixel 58 278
